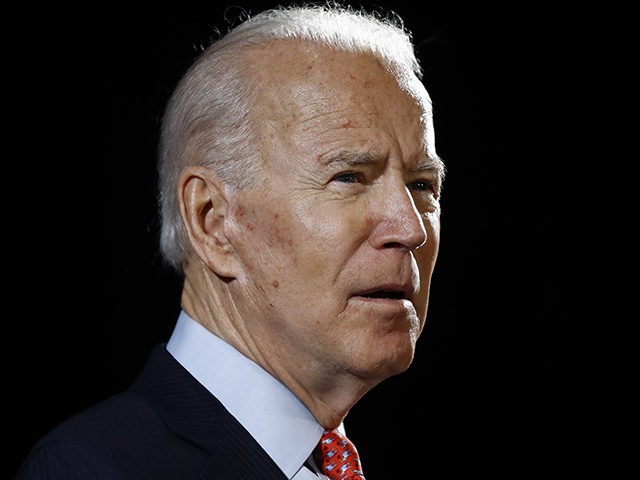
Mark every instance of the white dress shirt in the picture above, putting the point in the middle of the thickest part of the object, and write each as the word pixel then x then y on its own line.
pixel 272 414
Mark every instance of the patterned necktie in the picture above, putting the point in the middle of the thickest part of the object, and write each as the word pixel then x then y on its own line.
pixel 340 459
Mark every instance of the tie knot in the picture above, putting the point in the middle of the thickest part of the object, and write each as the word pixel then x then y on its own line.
pixel 340 459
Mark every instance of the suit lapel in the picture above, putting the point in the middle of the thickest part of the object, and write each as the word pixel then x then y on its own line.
pixel 190 411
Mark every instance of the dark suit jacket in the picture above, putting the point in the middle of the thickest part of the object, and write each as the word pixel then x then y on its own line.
pixel 165 426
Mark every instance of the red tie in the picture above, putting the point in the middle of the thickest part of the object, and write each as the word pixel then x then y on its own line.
pixel 340 459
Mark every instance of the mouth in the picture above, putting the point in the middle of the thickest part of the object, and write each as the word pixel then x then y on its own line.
pixel 385 294
pixel 396 292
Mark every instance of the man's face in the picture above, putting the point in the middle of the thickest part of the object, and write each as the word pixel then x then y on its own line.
pixel 339 240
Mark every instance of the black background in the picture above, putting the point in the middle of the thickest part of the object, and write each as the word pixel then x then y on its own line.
pixel 491 388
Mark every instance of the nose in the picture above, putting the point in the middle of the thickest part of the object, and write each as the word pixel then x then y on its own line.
pixel 399 224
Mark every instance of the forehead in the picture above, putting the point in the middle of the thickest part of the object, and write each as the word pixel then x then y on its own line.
pixel 314 95
pixel 286 67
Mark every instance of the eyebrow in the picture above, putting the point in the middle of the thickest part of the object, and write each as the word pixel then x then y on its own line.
pixel 433 163
pixel 353 159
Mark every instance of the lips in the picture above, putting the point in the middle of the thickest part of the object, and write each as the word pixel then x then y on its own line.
pixel 392 294
pixel 389 292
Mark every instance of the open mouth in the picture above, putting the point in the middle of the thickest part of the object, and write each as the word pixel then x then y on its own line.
pixel 388 294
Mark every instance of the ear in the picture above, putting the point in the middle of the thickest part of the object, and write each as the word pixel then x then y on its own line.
pixel 203 206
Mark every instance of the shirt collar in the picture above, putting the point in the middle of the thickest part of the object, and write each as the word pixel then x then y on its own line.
pixel 272 414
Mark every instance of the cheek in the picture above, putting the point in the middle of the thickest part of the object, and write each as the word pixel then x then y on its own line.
pixel 431 222
pixel 283 248
pixel 258 235
pixel 426 258
pixel 281 242
pixel 331 235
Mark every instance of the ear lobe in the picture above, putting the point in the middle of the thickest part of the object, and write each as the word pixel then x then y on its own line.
pixel 203 207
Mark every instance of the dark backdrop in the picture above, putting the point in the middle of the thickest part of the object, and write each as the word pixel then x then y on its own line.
pixel 488 391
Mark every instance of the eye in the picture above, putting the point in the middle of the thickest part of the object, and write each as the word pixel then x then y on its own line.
pixel 421 185
pixel 426 194
pixel 349 177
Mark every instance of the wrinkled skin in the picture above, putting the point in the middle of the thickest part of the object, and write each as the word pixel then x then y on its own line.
pixel 329 258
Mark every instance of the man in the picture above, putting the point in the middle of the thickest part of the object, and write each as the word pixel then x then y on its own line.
pixel 300 199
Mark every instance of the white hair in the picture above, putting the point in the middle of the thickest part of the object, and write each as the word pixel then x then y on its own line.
pixel 208 118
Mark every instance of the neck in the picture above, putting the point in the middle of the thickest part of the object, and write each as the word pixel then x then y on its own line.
pixel 328 392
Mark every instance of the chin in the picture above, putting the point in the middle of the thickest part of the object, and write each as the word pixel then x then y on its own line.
pixel 388 358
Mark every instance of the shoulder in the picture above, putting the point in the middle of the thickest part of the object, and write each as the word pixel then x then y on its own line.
pixel 166 426
pixel 129 435
pixel 122 437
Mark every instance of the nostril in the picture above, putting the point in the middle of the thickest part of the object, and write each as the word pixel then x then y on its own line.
pixel 395 228
pixel 394 245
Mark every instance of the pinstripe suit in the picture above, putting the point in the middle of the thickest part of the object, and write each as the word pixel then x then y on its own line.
pixel 165 426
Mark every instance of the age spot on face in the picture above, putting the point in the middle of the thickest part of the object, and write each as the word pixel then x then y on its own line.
pixel 240 212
